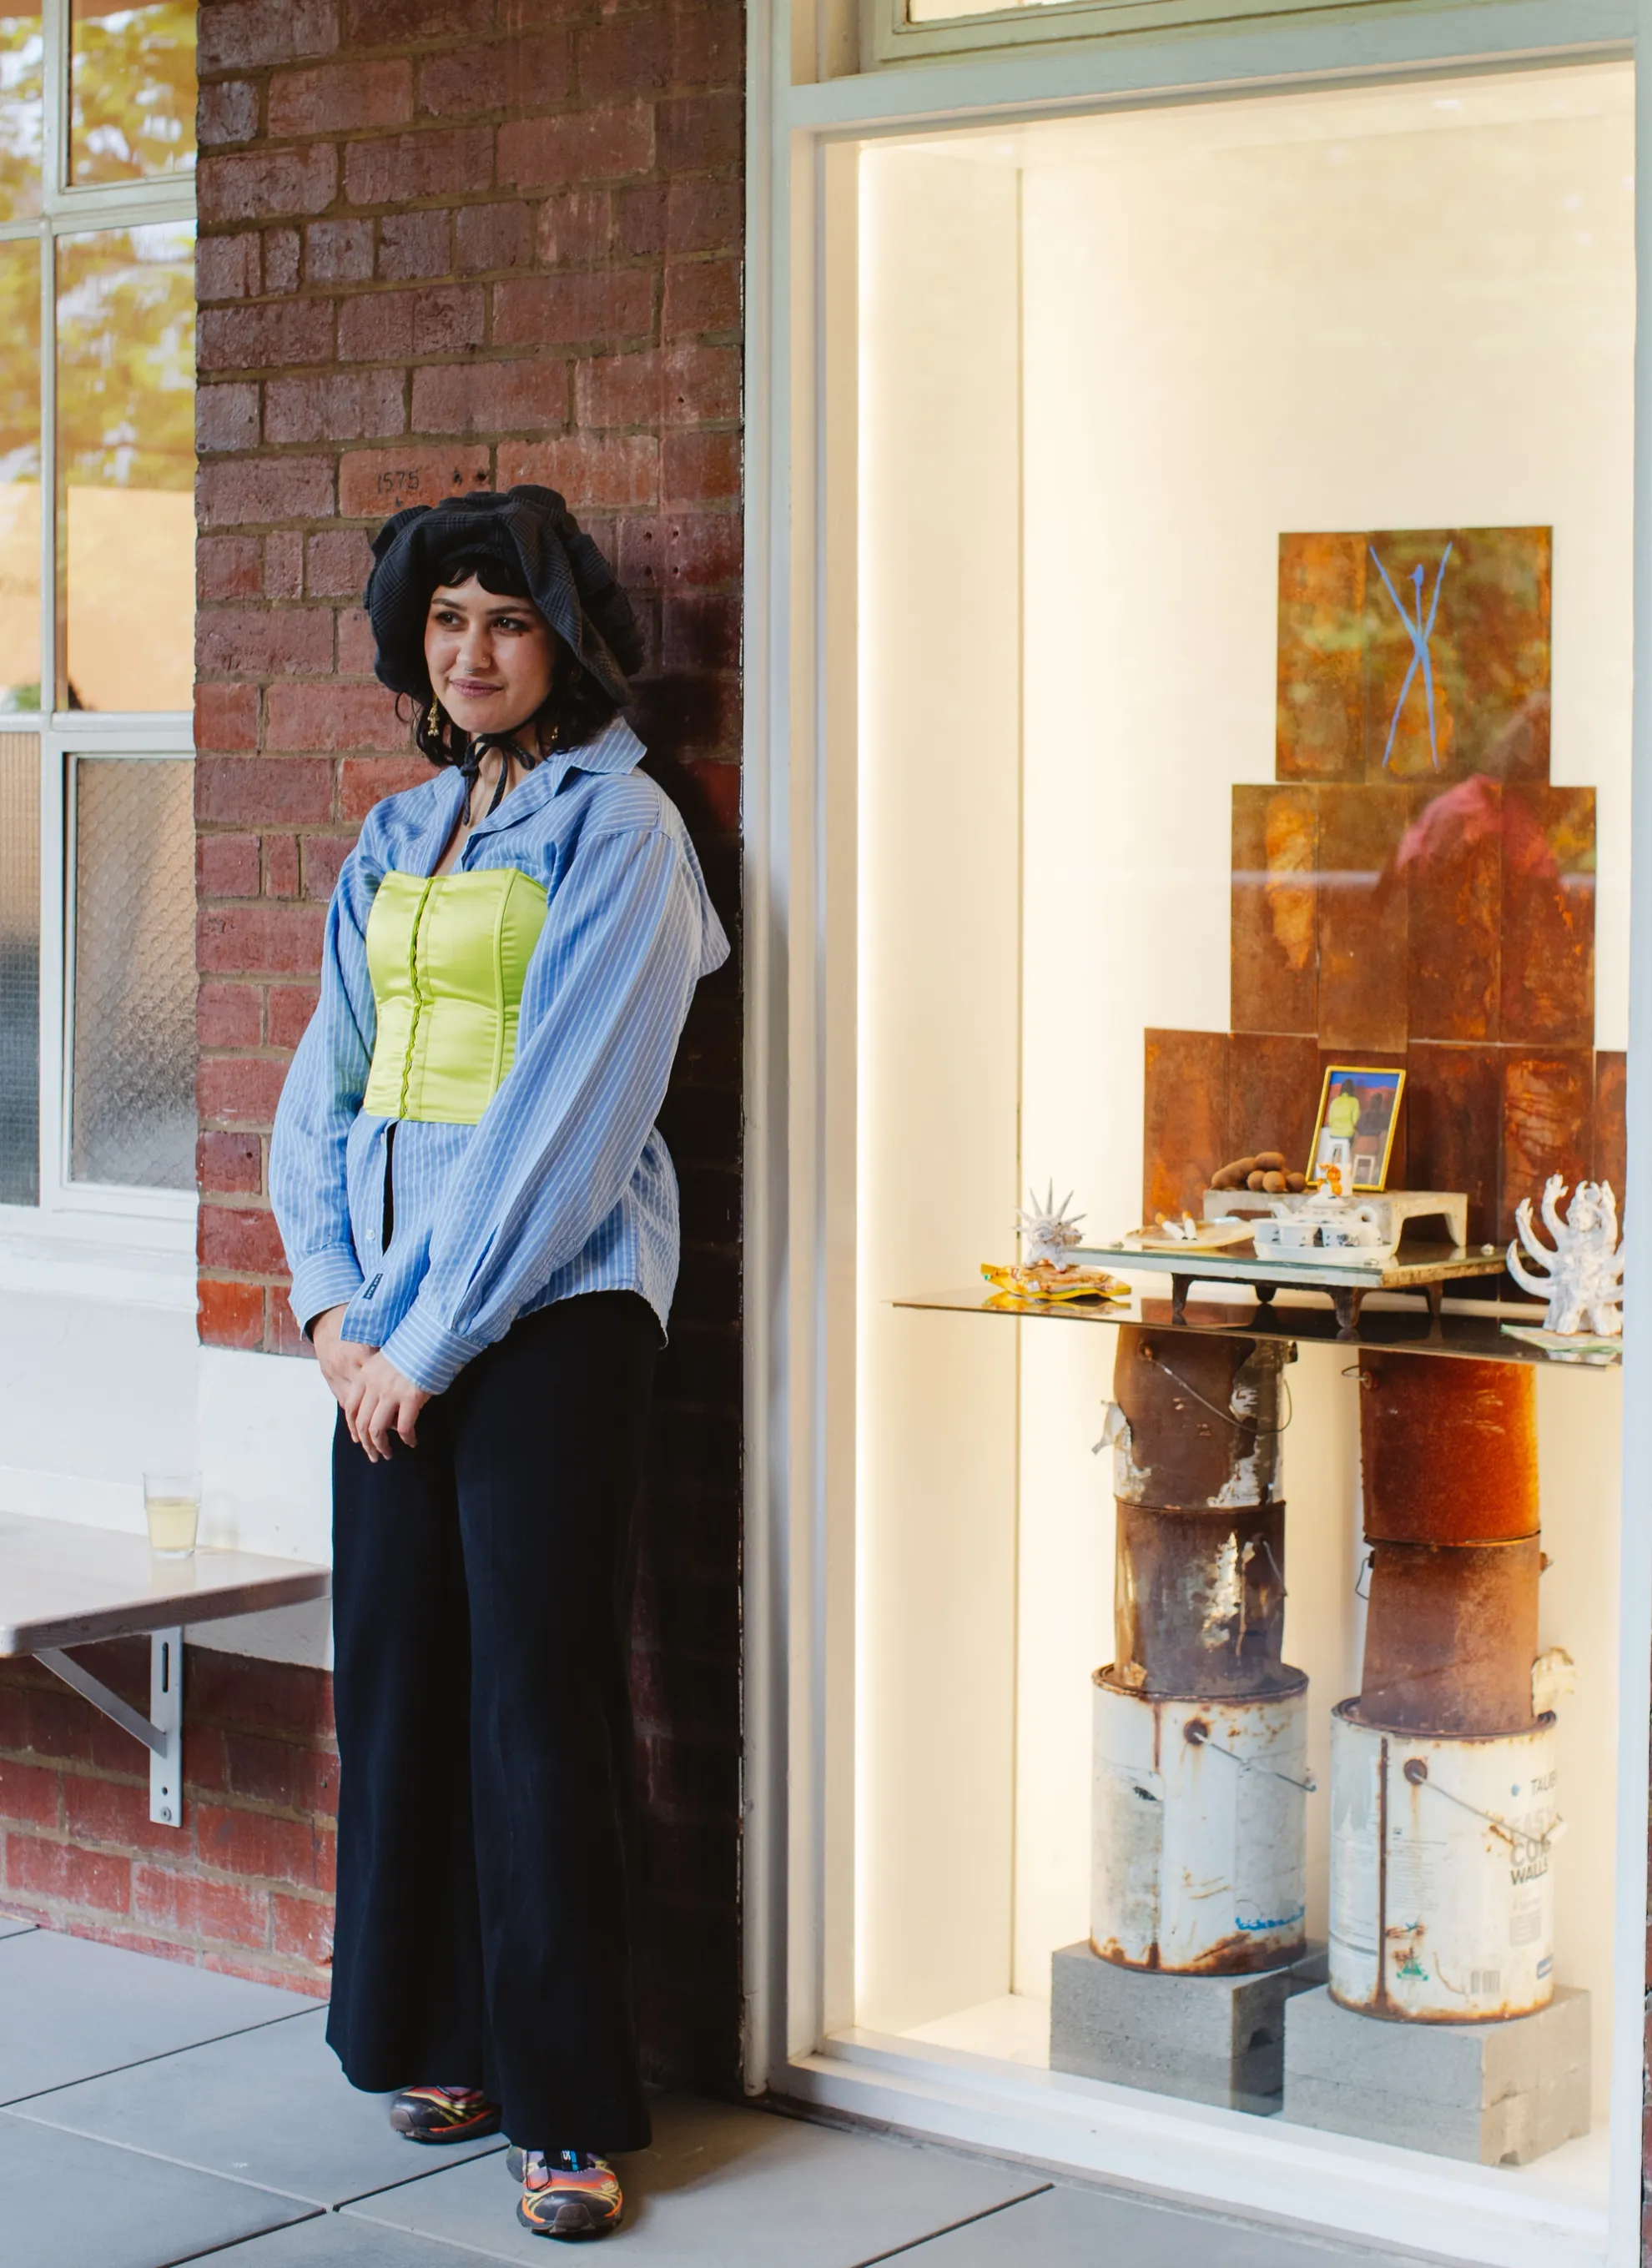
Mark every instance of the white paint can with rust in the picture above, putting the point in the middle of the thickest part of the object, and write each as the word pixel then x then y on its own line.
pixel 1200 1842
pixel 1441 1881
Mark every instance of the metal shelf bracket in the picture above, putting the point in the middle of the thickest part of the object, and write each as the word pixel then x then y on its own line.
pixel 161 1731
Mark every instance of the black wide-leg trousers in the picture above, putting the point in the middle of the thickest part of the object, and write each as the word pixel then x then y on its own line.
pixel 481 1603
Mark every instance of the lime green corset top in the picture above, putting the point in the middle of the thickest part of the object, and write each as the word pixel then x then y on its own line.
pixel 448 957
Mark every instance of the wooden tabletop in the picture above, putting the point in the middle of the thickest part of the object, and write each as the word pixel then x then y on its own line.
pixel 62 1585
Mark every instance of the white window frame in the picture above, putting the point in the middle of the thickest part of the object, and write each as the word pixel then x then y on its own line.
pixel 96 1238
pixel 799 779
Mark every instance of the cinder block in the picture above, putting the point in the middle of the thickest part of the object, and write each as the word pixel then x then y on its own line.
pixel 1209 2039
pixel 1497 2094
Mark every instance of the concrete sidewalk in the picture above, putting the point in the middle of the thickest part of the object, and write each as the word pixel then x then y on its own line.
pixel 154 2114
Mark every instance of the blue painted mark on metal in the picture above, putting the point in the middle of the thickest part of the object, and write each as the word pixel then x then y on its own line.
pixel 1420 633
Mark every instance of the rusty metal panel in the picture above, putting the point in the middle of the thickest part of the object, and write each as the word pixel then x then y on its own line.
pixel 1198 1601
pixel 1364 923
pixel 1275 910
pixel 1548 1124
pixel 1185 1120
pixel 1450 1636
pixel 1448 1450
pixel 1273 1094
pixel 1203 1418
pixel 1611 1138
pixel 1464 613
pixel 1320 641
pixel 1452 864
pixel 1453 1118
pixel 1548 962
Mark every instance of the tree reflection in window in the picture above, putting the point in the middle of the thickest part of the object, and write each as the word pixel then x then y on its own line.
pixel 125 467
pixel 132 91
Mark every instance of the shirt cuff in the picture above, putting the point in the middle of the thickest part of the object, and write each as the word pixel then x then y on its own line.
pixel 326 1279
pixel 428 1354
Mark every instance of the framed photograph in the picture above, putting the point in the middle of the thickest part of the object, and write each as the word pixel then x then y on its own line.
pixel 1359 1111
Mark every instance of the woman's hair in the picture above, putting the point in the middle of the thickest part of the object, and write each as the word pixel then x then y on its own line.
pixel 522 543
pixel 577 708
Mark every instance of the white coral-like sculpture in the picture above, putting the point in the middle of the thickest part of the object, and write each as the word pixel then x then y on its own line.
pixel 1584 1284
pixel 1048 1233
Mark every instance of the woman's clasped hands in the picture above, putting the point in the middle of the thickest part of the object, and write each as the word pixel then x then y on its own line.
pixel 381 1406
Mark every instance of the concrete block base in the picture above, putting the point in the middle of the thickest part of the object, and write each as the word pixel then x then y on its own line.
pixel 1499 2093
pixel 1209 2039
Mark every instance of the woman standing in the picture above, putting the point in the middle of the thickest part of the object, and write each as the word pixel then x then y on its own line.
pixel 481 1221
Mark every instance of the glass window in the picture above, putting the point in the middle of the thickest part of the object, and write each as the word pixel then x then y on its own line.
pixel 125 467
pixel 1243 608
pixel 97 596
pixel 19 474
pixel 132 90
pixel 910 27
pixel 134 1054
pixel 19 968
pixel 22 114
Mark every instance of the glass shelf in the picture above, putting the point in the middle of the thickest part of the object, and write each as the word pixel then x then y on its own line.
pixel 1475 1336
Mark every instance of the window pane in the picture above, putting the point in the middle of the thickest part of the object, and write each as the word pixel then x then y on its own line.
pixel 19 969
pixel 19 476
pixel 22 113
pixel 126 468
pixel 134 984
pixel 131 86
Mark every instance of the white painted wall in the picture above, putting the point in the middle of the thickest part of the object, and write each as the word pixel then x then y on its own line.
pixel 939 756
pixel 1383 307
pixel 94 1389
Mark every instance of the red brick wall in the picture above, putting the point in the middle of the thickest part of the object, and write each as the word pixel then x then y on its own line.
pixel 246 1885
pixel 449 243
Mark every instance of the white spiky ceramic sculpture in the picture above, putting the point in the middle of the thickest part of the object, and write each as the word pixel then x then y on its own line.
pixel 1584 1284
pixel 1048 1233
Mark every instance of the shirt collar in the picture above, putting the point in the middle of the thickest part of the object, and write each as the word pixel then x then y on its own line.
pixel 615 748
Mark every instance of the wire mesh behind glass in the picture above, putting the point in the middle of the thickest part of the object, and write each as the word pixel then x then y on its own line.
pixel 133 1119
pixel 19 969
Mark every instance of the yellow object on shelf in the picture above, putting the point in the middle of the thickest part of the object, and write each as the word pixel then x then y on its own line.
pixel 1042 1281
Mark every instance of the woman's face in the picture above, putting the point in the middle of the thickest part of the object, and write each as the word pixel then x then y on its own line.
pixel 491 660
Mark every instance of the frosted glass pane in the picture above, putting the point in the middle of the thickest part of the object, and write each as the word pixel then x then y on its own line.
pixel 131 89
pixel 134 983
pixel 19 969
pixel 125 467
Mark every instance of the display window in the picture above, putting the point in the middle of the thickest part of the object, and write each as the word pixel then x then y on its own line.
pixel 1225 579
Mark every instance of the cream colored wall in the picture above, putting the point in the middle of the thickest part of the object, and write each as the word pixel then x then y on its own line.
pixel 1381 309
pixel 939 1012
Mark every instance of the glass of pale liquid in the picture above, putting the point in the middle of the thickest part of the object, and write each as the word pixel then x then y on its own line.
pixel 171 1506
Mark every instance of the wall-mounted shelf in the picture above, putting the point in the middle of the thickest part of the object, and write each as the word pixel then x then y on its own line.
pixel 1474 1336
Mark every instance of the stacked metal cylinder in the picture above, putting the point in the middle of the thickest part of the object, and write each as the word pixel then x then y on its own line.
pixel 1201 1727
pixel 1443 1781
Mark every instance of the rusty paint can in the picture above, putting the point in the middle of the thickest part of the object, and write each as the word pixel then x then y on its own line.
pixel 1442 1886
pixel 1450 1636
pixel 1200 1842
pixel 1203 1414
pixel 1198 1601
pixel 1448 1450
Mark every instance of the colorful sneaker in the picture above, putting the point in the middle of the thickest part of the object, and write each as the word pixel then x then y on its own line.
pixel 567 2193
pixel 443 2114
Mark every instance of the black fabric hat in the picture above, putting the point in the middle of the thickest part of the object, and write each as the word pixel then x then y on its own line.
pixel 532 532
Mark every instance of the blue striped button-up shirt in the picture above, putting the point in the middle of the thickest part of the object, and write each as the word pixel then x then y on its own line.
pixel 565 1185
